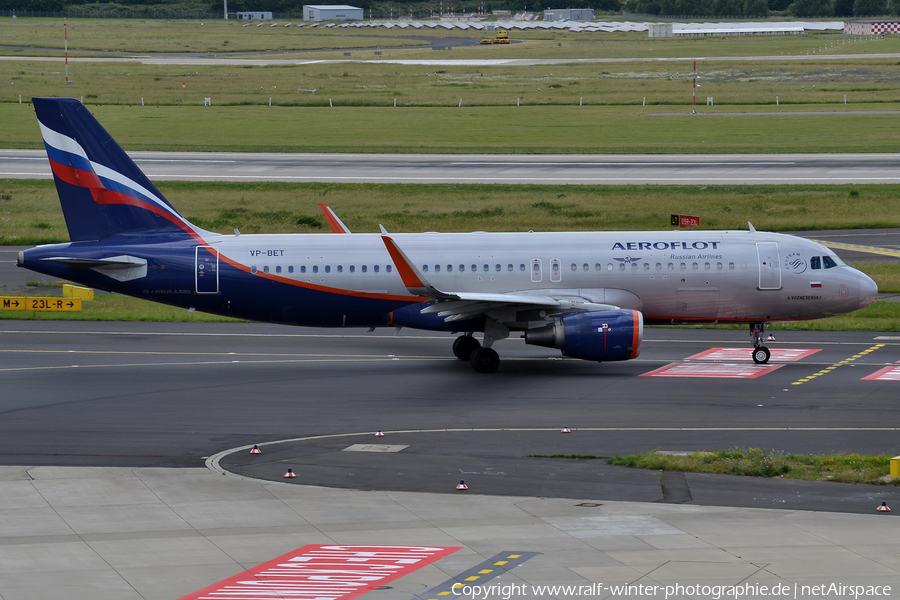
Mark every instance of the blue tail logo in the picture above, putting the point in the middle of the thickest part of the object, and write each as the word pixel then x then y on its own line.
pixel 102 192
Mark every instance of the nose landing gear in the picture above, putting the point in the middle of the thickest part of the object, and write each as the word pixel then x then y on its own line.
pixel 761 354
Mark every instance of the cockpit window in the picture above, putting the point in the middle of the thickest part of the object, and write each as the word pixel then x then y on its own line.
pixel 829 262
pixel 815 263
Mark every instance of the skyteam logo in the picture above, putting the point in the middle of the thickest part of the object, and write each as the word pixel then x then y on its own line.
pixel 795 263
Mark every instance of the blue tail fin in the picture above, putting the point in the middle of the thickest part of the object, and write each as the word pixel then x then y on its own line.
pixel 101 190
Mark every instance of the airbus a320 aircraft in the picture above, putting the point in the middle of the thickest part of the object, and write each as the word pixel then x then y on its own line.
pixel 585 293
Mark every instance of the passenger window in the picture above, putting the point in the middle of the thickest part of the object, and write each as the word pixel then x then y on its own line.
pixel 815 263
pixel 253 269
pixel 731 266
pixel 303 269
pixel 278 269
pixel 486 267
pixel 522 267
pixel 449 268
pixel 462 268
pixel 388 268
pixel 340 268
pixel 586 267
pixel 633 267
pixel 365 268
pixel 265 269
pixel 659 266
pixel 671 266
pixel 574 267
pixel 509 267
pixel 556 267
pixel 718 266
pixel 828 262
pixel 353 268
pixel 695 266
pixel 497 268
pixel 598 267
pixel 425 268
pixel 291 269
pixel 536 267
pixel 706 266
pixel 328 268
pixel 474 268
pixel 375 268
pixel 315 268
pixel 646 266
pixel 682 266
pixel 437 268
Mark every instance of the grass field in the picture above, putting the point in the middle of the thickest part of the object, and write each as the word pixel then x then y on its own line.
pixel 482 130
pixel 30 213
pixel 755 462
pixel 219 36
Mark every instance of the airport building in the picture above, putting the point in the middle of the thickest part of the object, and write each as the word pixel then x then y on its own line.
pixel 871 27
pixel 255 16
pixel 569 14
pixel 331 12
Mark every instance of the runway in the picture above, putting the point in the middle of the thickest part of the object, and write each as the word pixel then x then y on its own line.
pixel 748 169
pixel 162 395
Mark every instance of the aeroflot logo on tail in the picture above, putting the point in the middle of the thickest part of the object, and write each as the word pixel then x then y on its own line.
pixel 666 245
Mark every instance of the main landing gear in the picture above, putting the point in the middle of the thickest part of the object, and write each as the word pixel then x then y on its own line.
pixel 483 359
pixel 761 354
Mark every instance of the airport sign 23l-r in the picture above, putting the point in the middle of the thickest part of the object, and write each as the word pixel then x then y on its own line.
pixel 44 304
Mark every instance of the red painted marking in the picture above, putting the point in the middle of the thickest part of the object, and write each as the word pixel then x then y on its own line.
pixel 318 572
pixel 332 222
pixel 885 374
pixel 688 221
pixel 713 370
pixel 744 354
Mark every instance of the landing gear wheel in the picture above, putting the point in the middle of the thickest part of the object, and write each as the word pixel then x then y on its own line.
pixel 485 360
pixel 761 355
pixel 464 346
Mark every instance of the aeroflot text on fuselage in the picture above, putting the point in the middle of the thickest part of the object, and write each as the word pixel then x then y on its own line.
pixel 666 245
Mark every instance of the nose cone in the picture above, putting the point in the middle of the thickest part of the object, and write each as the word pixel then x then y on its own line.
pixel 868 290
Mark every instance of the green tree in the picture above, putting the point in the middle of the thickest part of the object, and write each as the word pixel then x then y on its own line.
pixel 727 8
pixel 756 9
pixel 843 8
pixel 812 8
pixel 868 8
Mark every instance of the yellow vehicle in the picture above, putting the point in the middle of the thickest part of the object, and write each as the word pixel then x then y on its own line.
pixel 501 38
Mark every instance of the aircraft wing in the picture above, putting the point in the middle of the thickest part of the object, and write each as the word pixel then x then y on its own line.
pixel 459 306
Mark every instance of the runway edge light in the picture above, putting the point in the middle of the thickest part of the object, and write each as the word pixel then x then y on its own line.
pixel 255 450
pixel 289 474
pixel 566 430
pixel 379 433
pixel 884 508
pixel 462 485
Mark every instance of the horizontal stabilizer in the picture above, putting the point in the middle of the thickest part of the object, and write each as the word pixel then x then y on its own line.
pixel 120 268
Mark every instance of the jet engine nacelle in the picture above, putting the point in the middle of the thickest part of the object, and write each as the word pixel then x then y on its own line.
pixel 599 335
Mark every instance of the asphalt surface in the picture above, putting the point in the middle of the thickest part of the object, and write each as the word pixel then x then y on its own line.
pixel 169 395
pixel 454 168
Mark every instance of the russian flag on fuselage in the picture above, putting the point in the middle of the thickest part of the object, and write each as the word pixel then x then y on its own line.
pixel 101 190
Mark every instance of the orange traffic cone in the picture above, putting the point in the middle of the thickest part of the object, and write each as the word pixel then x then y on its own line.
pixel 255 450
pixel 379 434
pixel 884 507
pixel 289 474
pixel 566 430
pixel 462 485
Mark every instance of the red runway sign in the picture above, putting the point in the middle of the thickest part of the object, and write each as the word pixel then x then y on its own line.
pixel 684 221
pixel 713 370
pixel 317 572
pixel 743 354
pixel 885 374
